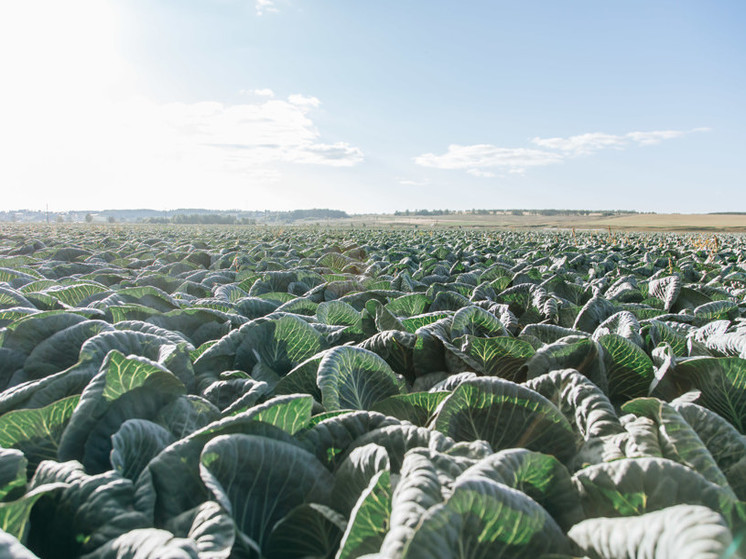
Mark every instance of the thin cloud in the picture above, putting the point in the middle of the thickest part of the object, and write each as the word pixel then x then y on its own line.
pixel 304 101
pixel 480 160
pixel 139 143
pixel 585 144
pixel 479 157
pixel 410 182
pixel 250 135
pixel 655 137
pixel 582 144
pixel 264 6
pixel 266 92
pixel 482 174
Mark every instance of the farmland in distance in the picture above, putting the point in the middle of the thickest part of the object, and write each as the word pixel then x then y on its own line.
pixel 735 222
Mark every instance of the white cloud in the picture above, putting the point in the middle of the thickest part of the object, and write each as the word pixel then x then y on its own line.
pixel 410 182
pixel 480 173
pixel 145 150
pixel 340 154
pixel 238 137
pixel 582 144
pixel 654 137
pixel 303 101
pixel 478 157
pixel 263 6
pixel 585 144
pixel 477 160
pixel 258 92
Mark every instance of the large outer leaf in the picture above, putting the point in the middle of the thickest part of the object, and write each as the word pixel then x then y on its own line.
pixel 655 332
pixel 236 394
pixel 409 305
pixel 677 532
pixel 354 378
pixel 629 370
pixel 340 313
pixel 210 526
pixel 679 442
pixel 395 347
pixel 355 473
pixel 135 443
pixel 593 313
pixel 126 388
pixel 146 543
pixel 548 333
pixel 419 488
pixel 506 415
pixel 37 432
pixel 725 443
pixel 499 356
pixel 198 325
pixel 175 471
pixel 85 515
pixel 302 379
pixel 634 486
pixel 60 350
pixel 25 334
pixel 582 402
pixel 727 344
pixel 483 519
pixel 716 310
pixel 666 289
pixel 572 352
pixel 722 382
pixel 369 520
pixel 274 477
pixel 400 439
pixel 475 321
pixel 165 348
pixel 309 530
pixel 74 295
pixel 414 323
pixel 624 324
pixel 418 407
pixel 12 299
pixel 330 438
pixel 279 343
pixel 187 414
pixel 540 476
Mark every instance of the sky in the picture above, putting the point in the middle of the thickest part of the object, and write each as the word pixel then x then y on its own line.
pixel 373 106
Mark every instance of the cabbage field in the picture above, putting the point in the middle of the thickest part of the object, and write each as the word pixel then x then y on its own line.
pixel 307 392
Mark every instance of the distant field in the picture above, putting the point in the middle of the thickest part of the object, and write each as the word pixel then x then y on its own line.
pixel 639 222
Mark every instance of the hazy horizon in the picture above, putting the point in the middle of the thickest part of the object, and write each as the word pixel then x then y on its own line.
pixel 372 107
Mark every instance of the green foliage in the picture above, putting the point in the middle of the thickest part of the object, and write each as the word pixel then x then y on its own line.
pixel 266 392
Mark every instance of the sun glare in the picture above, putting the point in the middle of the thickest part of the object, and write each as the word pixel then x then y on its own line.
pixel 62 72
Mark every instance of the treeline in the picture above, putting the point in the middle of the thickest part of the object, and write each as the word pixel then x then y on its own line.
pixel 296 215
pixel 223 218
pixel 549 212
pixel 203 219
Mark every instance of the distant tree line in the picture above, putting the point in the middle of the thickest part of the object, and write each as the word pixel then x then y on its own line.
pixel 237 219
pixel 549 212
pixel 203 219
pixel 296 215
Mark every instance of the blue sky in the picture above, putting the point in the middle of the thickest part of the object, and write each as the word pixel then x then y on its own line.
pixel 373 106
